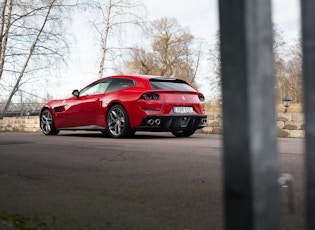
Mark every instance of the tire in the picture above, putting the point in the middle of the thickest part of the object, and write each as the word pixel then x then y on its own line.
pixel 47 123
pixel 183 133
pixel 118 122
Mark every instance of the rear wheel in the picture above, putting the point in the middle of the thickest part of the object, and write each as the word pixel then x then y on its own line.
pixel 118 122
pixel 47 124
pixel 183 133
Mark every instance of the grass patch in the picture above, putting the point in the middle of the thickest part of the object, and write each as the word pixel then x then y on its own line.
pixel 19 222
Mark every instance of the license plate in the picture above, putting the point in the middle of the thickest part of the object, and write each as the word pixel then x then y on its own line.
pixel 183 109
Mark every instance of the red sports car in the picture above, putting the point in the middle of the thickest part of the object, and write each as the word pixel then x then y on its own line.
pixel 120 105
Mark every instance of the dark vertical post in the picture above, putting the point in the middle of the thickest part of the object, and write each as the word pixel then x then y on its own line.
pixel 308 41
pixel 250 137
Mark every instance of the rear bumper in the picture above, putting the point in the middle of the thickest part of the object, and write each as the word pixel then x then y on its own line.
pixel 172 123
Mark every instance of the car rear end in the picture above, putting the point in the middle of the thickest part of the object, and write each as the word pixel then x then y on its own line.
pixel 171 105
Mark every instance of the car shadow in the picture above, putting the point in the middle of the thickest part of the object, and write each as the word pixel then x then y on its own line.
pixel 140 135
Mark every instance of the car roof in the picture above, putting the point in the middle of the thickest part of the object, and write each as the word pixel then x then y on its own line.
pixel 133 76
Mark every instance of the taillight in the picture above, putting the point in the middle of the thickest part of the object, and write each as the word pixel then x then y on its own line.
pixel 155 96
pixel 201 97
pixel 147 96
pixel 150 96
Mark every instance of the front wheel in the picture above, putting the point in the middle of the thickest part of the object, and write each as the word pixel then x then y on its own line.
pixel 118 122
pixel 183 133
pixel 47 123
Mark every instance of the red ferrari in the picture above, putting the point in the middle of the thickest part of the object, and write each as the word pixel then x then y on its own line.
pixel 120 105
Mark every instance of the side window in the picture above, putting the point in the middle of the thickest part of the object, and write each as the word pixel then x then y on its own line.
pixel 96 88
pixel 103 86
pixel 119 83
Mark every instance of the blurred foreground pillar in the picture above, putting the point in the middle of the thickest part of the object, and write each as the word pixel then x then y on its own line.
pixel 308 41
pixel 251 192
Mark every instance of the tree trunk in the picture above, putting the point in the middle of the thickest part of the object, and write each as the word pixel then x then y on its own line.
pixel 4 33
pixel 104 47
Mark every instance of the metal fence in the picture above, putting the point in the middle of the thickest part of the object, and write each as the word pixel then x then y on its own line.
pixel 22 109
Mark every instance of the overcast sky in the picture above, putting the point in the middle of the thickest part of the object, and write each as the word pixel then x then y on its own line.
pixel 200 16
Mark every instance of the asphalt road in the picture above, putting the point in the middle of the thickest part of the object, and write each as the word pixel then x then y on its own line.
pixel 152 181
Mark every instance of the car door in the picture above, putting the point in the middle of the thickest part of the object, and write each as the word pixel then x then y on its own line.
pixel 83 110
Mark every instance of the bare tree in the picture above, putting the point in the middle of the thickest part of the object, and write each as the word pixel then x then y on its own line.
pixel 32 40
pixel 113 21
pixel 215 63
pixel 106 31
pixel 171 45
pixel 287 66
pixel 289 76
pixel 142 62
pixel 4 30
pixel 174 52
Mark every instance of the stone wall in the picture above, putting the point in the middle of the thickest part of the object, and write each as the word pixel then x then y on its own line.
pixel 288 124
pixel 20 124
pixel 291 125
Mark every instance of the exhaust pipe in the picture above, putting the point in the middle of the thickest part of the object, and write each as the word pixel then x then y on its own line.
pixel 150 122
pixel 157 121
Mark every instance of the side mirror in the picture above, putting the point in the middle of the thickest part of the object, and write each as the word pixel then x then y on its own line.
pixel 75 93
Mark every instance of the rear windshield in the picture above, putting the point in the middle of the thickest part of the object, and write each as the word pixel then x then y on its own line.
pixel 170 84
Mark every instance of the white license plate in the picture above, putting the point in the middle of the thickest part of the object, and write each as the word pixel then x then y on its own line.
pixel 183 109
